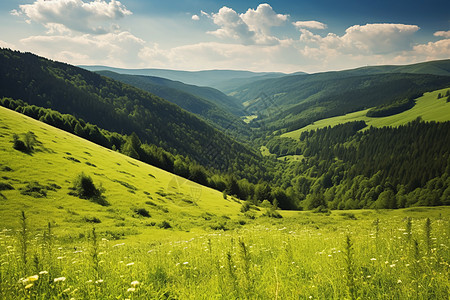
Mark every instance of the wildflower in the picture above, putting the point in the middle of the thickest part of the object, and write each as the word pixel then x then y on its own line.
pixel 393 265
pixel 89 281
pixel 399 281
pixel 43 272
pixel 130 264
pixel 131 289
pixel 99 281
pixel 33 278
pixel 59 279
pixel 28 286
pixel 373 259
pixel 134 283
pixel 185 263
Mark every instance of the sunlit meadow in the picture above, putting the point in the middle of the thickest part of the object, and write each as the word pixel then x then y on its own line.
pixel 346 255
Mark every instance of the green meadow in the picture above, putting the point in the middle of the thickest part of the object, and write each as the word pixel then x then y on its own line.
pixel 428 107
pixel 160 236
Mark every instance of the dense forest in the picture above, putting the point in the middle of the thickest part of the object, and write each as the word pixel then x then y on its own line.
pixel 348 166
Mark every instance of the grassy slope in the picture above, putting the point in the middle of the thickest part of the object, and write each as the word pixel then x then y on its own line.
pixel 428 107
pixel 49 164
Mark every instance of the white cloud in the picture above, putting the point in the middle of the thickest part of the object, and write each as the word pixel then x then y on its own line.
pixel 309 25
pixel 445 34
pixel 195 18
pixel 14 12
pixel 252 27
pixel 231 26
pixel 115 49
pixel 87 17
pixel 366 39
pixel 432 51
pixel 263 18
pixel 4 44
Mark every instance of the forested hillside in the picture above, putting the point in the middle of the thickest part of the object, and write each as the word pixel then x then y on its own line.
pixel 344 167
pixel 207 103
pixel 116 107
pixel 293 102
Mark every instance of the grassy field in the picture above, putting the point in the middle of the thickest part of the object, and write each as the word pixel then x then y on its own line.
pixel 64 247
pixel 129 185
pixel 428 107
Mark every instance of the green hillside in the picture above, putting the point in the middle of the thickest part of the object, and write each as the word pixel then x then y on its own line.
pixel 116 107
pixel 292 102
pixel 207 78
pixel 39 182
pixel 207 103
pixel 428 108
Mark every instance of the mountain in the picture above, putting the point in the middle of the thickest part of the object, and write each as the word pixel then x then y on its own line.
pixel 116 107
pixel 209 78
pixel 438 67
pixel 208 103
pixel 296 101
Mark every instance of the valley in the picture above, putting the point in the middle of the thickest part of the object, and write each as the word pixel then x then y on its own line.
pixel 130 186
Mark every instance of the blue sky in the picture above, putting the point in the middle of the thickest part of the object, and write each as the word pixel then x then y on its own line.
pixel 284 36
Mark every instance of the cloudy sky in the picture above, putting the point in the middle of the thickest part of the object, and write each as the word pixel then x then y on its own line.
pixel 282 35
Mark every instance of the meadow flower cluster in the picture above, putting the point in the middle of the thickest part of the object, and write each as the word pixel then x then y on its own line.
pixel 283 260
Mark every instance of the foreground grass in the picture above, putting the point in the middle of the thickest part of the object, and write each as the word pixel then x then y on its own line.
pixel 346 255
pixel 428 107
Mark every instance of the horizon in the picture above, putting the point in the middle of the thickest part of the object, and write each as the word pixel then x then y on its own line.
pixel 255 36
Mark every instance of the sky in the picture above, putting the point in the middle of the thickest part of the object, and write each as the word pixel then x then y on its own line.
pixel 265 36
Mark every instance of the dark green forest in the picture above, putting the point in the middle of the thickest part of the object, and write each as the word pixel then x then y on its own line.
pixel 348 166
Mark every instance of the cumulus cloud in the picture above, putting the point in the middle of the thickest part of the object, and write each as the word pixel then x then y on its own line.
pixel 195 18
pixel 445 34
pixel 432 51
pixel 86 17
pixel 309 25
pixel 365 39
pixel 251 27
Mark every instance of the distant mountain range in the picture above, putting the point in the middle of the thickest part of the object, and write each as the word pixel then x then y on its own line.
pixel 219 79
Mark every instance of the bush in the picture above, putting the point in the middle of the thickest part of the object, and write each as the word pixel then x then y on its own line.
pixel 18 144
pixel 142 212
pixel 272 213
pixel 92 220
pixel 165 225
pixel 245 207
pixel 25 145
pixel 84 188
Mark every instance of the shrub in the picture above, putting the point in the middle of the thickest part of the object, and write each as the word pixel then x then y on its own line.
pixel 5 186
pixel 245 207
pixel 84 188
pixel 272 213
pixel 92 220
pixel 18 144
pixel 25 145
pixel 34 189
pixel 142 212
pixel 165 225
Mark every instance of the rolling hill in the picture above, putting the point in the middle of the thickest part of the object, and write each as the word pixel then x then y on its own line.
pixel 208 78
pixel 207 103
pixel 116 107
pixel 293 102
pixel 39 182
pixel 428 108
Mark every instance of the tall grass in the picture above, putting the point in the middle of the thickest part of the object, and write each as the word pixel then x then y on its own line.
pixel 279 261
